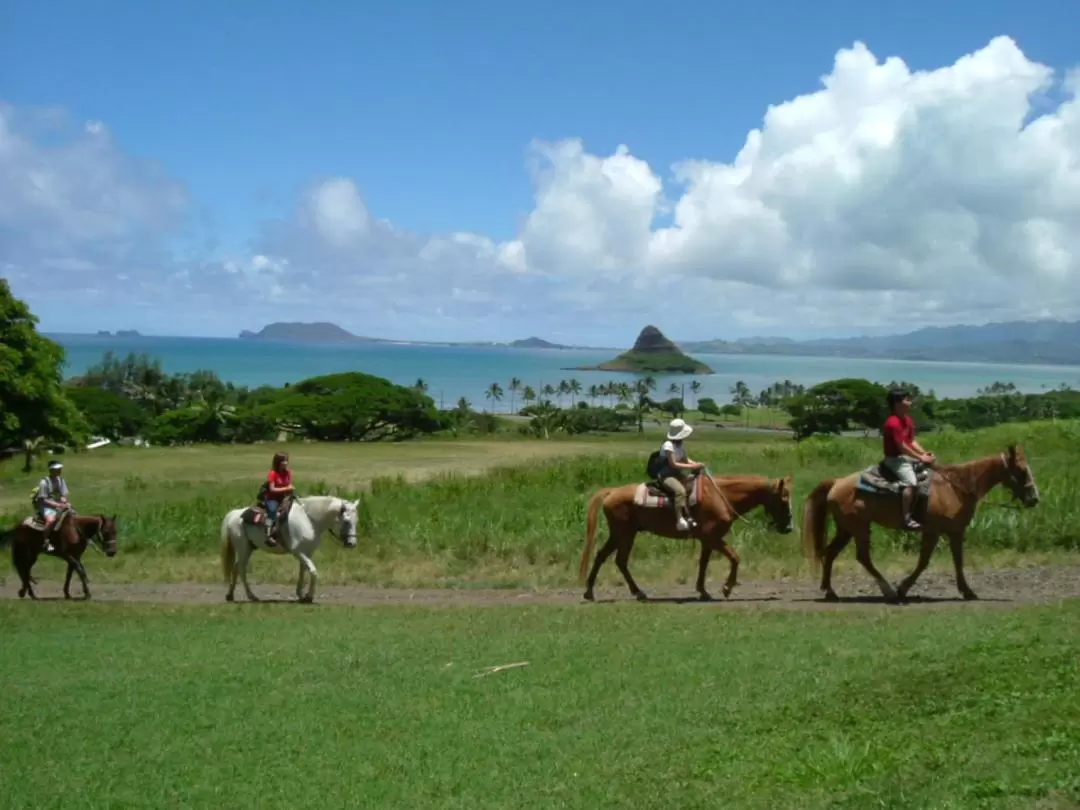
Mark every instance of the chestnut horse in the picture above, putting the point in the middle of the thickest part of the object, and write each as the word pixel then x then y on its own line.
pixel 955 493
pixel 69 540
pixel 723 500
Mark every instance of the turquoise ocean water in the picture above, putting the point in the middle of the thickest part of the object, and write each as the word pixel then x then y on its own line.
pixel 452 372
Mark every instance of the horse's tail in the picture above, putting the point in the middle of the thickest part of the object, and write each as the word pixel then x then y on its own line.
pixel 228 555
pixel 590 529
pixel 815 515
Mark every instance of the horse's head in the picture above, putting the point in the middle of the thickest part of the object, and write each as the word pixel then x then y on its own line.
pixel 778 505
pixel 1018 476
pixel 108 534
pixel 348 517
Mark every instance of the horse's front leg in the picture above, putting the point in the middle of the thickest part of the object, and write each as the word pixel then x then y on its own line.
pixel 75 564
pixel 733 570
pixel 300 581
pixel 703 566
pixel 926 551
pixel 313 575
pixel 956 546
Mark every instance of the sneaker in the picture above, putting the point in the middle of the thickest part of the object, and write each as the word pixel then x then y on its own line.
pixel 682 525
pixel 912 525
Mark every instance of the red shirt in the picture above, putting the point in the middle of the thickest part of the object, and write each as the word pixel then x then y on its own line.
pixel 898 431
pixel 278 480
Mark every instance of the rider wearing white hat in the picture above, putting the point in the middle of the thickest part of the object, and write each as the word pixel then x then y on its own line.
pixel 671 475
pixel 52 496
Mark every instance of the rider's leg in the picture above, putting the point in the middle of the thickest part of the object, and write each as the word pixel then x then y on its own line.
pixel 271 519
pixel 905 471
pixel 675 486
pixel 49 517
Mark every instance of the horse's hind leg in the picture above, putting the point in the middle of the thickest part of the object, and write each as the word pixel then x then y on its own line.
pixel 832 551
pixel 929 543
pixel 601 557
pixel 622 562
pixel 862 554
pixel 24 574
pixel 243 558
pixel 300 581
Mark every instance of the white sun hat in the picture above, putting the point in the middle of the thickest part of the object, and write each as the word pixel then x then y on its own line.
pixel 55 465
pixel 678 430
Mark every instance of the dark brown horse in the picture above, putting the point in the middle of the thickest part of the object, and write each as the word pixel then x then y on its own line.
pixel 722 500
pixel 955 493
pixel 69 540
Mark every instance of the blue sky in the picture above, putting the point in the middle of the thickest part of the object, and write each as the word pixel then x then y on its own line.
pixel 430 110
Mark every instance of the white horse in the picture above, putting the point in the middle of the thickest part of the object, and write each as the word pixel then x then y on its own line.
pixel 299 535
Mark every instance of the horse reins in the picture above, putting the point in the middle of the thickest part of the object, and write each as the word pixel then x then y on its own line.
pixel 969 491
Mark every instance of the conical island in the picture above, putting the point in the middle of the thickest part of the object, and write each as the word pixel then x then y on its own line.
pixel 652 354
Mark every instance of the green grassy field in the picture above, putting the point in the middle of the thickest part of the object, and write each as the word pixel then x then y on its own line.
pixel 620 706
pixel 508 512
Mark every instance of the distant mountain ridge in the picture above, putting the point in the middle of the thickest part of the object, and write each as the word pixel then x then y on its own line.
pixel 1046 342
pixel 323 332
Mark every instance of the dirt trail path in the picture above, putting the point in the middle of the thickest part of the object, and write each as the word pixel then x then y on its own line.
pixel 1003 589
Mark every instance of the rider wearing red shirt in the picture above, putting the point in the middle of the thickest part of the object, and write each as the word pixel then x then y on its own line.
pixel 279 485
pixel 901 451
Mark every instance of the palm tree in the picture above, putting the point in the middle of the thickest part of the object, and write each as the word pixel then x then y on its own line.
pixel 563 389
pixel 528 395
pixel 494 393
pixel 575 388
pixel 594 392
pixel 695 389
pixel 420 385
pixel 513 388
pixel 463 405
pixel 548 391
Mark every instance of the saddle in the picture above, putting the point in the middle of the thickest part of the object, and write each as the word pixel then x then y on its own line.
pixel 653 494
pixel 881 480
pixel 255 515
pixel 37 523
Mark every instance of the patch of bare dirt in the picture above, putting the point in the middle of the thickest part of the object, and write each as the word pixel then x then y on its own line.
pixel 1002 588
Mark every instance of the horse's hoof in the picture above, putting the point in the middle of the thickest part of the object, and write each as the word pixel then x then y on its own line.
pixel 22 594
pixel 589 597
pixel 830 596
pixel 229 597
pixel 705 596
pixel 969 596
pixel 306 600
pixel 726 591
pixel 641 596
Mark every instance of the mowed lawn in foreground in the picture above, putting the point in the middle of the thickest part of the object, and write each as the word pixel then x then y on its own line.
pixel 621 706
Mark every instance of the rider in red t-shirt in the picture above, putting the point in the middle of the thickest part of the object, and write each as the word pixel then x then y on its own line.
pixel 901 451
pixel 279 481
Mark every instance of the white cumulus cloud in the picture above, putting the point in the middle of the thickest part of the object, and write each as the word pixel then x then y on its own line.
pixel 888 197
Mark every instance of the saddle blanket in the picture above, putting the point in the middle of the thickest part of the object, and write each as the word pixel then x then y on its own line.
pixel 874 479
pixel 34 523
pixel 650 496
pixel 253 516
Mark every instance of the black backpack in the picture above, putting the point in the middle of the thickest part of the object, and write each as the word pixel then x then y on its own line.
pixel 655 465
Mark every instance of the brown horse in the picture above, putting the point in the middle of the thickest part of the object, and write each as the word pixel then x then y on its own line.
pixel 69 539
pixel 722 501
pixel 955 493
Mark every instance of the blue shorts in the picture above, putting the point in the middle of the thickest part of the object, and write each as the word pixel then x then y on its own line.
pixel 48 513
